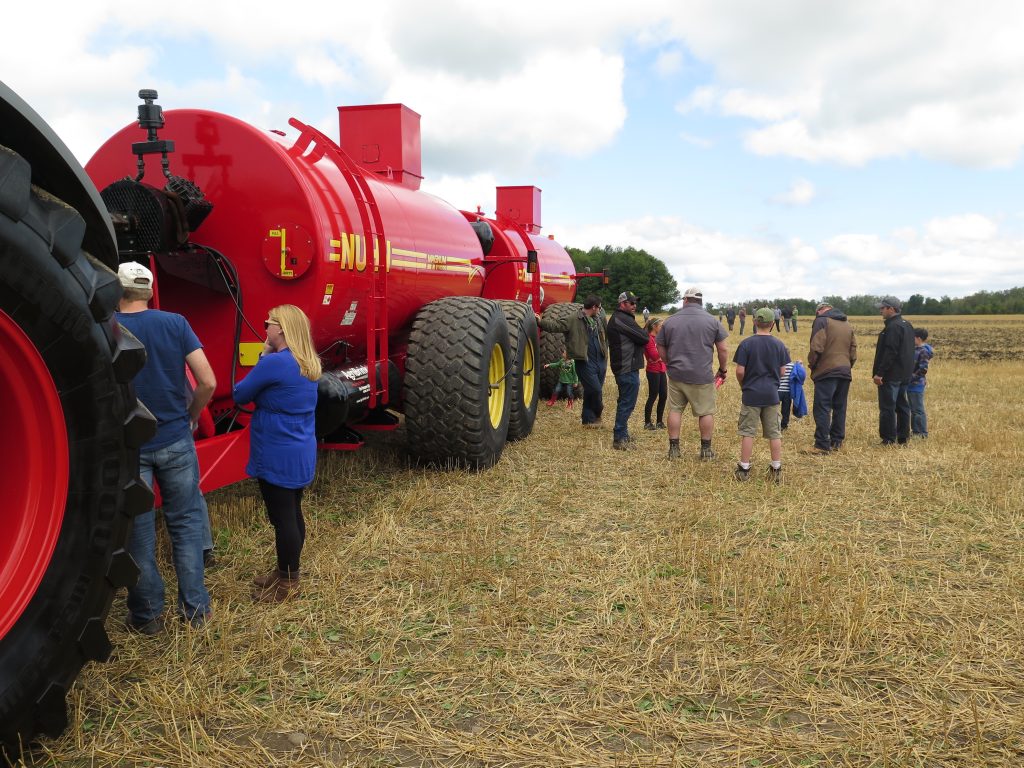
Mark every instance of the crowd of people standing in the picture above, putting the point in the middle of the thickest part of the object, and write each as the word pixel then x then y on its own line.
pixel 681 351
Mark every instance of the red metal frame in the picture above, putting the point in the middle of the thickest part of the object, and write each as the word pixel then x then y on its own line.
pixel 34 455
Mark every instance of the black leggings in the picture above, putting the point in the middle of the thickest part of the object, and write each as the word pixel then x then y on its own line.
pixel 284 508
pixel 657 389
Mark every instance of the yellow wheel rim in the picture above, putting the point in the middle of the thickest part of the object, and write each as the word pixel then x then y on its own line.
pixel 496 391
pixel 529 375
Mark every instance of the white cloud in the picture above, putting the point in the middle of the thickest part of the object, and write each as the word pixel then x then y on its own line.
pixel 802 192
pixel 668 63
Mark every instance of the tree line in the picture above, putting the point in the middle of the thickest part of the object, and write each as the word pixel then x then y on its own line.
pixel 634 269
pixel 1008 302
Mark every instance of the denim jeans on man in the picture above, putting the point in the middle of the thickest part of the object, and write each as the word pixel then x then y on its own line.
pixel 893 412
pixel 629 388
pixel 830 396
pixel 918 418
pixel 176 470
pixel 591 375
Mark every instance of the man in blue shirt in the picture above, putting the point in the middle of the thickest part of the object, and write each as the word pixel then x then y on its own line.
pixel 170 456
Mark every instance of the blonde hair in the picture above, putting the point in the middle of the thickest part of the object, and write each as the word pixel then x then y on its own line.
pixel 295 327
pixel 653 323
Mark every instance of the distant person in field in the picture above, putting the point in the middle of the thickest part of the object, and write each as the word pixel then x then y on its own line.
pixel 787 318
pixel 282 441
pixel 626 342
pixel 831 358
pixel 891 372
pixel 647 315
pixel 760 360
pixel 730 316
pixel 742 314
pixel 778 318
pixel 586 343
pixel 567 379
pixel 923 353
pixel 687 342
pixel 796 316
pixel 657 379
pixel 169 457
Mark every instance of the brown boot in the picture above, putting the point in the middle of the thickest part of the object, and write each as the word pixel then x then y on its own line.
pixel 268 579
pixel 283 589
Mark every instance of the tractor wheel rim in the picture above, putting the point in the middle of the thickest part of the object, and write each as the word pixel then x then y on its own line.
pixel 34 453
pixel 496 391
pixel 529 381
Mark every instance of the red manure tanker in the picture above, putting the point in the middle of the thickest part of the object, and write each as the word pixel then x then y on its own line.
pixel 422 314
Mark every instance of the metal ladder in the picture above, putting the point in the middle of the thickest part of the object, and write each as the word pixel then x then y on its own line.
pixel 378 260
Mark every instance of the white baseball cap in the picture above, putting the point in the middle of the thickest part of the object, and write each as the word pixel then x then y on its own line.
pixel 134 275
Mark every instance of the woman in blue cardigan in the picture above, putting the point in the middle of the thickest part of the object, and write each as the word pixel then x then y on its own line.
pixel 282 442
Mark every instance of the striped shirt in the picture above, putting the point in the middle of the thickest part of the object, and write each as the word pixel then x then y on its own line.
pixel 784 381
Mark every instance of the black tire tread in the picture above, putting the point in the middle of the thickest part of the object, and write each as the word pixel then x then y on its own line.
pixel 446 412
pixel 522 330
pixel 67 298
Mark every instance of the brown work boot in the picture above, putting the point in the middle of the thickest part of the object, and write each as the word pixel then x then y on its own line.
pixel 283 589
pixel 268 579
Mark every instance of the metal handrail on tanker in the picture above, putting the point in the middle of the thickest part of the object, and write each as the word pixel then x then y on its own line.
pixel 373 225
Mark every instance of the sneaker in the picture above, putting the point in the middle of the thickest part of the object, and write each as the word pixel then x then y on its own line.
pixel 776 474
pixel 661 425
pixel 649 426
pixel 741 474
pixel 673 452
pixel 622 445
pixel 148 628
pixel 706 454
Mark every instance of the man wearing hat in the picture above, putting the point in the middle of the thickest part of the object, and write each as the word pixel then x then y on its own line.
pixel 830 360
pixel 170 456
pixel 687 343
pixel 626 342
pixel 891 372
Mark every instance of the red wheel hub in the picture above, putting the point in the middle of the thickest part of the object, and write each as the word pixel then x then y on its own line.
pixel 34 458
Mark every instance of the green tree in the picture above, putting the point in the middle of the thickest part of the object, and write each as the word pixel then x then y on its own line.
pixel 628 269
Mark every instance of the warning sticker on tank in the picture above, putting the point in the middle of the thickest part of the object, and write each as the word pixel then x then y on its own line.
pixel 350 314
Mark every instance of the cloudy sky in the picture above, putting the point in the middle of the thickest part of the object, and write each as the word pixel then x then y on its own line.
pixel 790 148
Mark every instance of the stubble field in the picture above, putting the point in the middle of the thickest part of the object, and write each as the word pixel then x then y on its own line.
pixel 578 606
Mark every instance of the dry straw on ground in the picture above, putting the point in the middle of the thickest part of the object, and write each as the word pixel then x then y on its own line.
pixel 578 606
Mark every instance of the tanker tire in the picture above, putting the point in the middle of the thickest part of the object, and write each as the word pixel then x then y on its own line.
pixel 63 300
pixel 525 381
pixel 447 386
pixel 552 344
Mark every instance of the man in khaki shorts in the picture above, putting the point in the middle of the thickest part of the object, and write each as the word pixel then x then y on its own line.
pixel 687 342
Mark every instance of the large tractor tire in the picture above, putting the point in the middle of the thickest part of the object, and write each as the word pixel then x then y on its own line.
pixel 552 344
pixel 457 383
pixel 69 452
pixel 525 381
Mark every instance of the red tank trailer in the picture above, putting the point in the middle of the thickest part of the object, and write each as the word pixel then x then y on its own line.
pixel 415 306
pixel 417 309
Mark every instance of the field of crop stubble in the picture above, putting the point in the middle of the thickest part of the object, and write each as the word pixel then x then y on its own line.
pixel 578 606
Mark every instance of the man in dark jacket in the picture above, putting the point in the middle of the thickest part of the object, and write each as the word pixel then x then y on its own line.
pixel 891 372
pixel 626 342
pixel 586 343
pixel 830 360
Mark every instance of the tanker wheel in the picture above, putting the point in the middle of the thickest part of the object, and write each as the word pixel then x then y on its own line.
pixel 456 387
pixel 525 383
pixel 69 453
pixel 552 344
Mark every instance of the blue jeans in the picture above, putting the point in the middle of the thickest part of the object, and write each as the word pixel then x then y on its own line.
pixel 591 375
pixel 918 418
pixel 830 397
pixel 176 470
pixel 893 412
pixel 629 388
